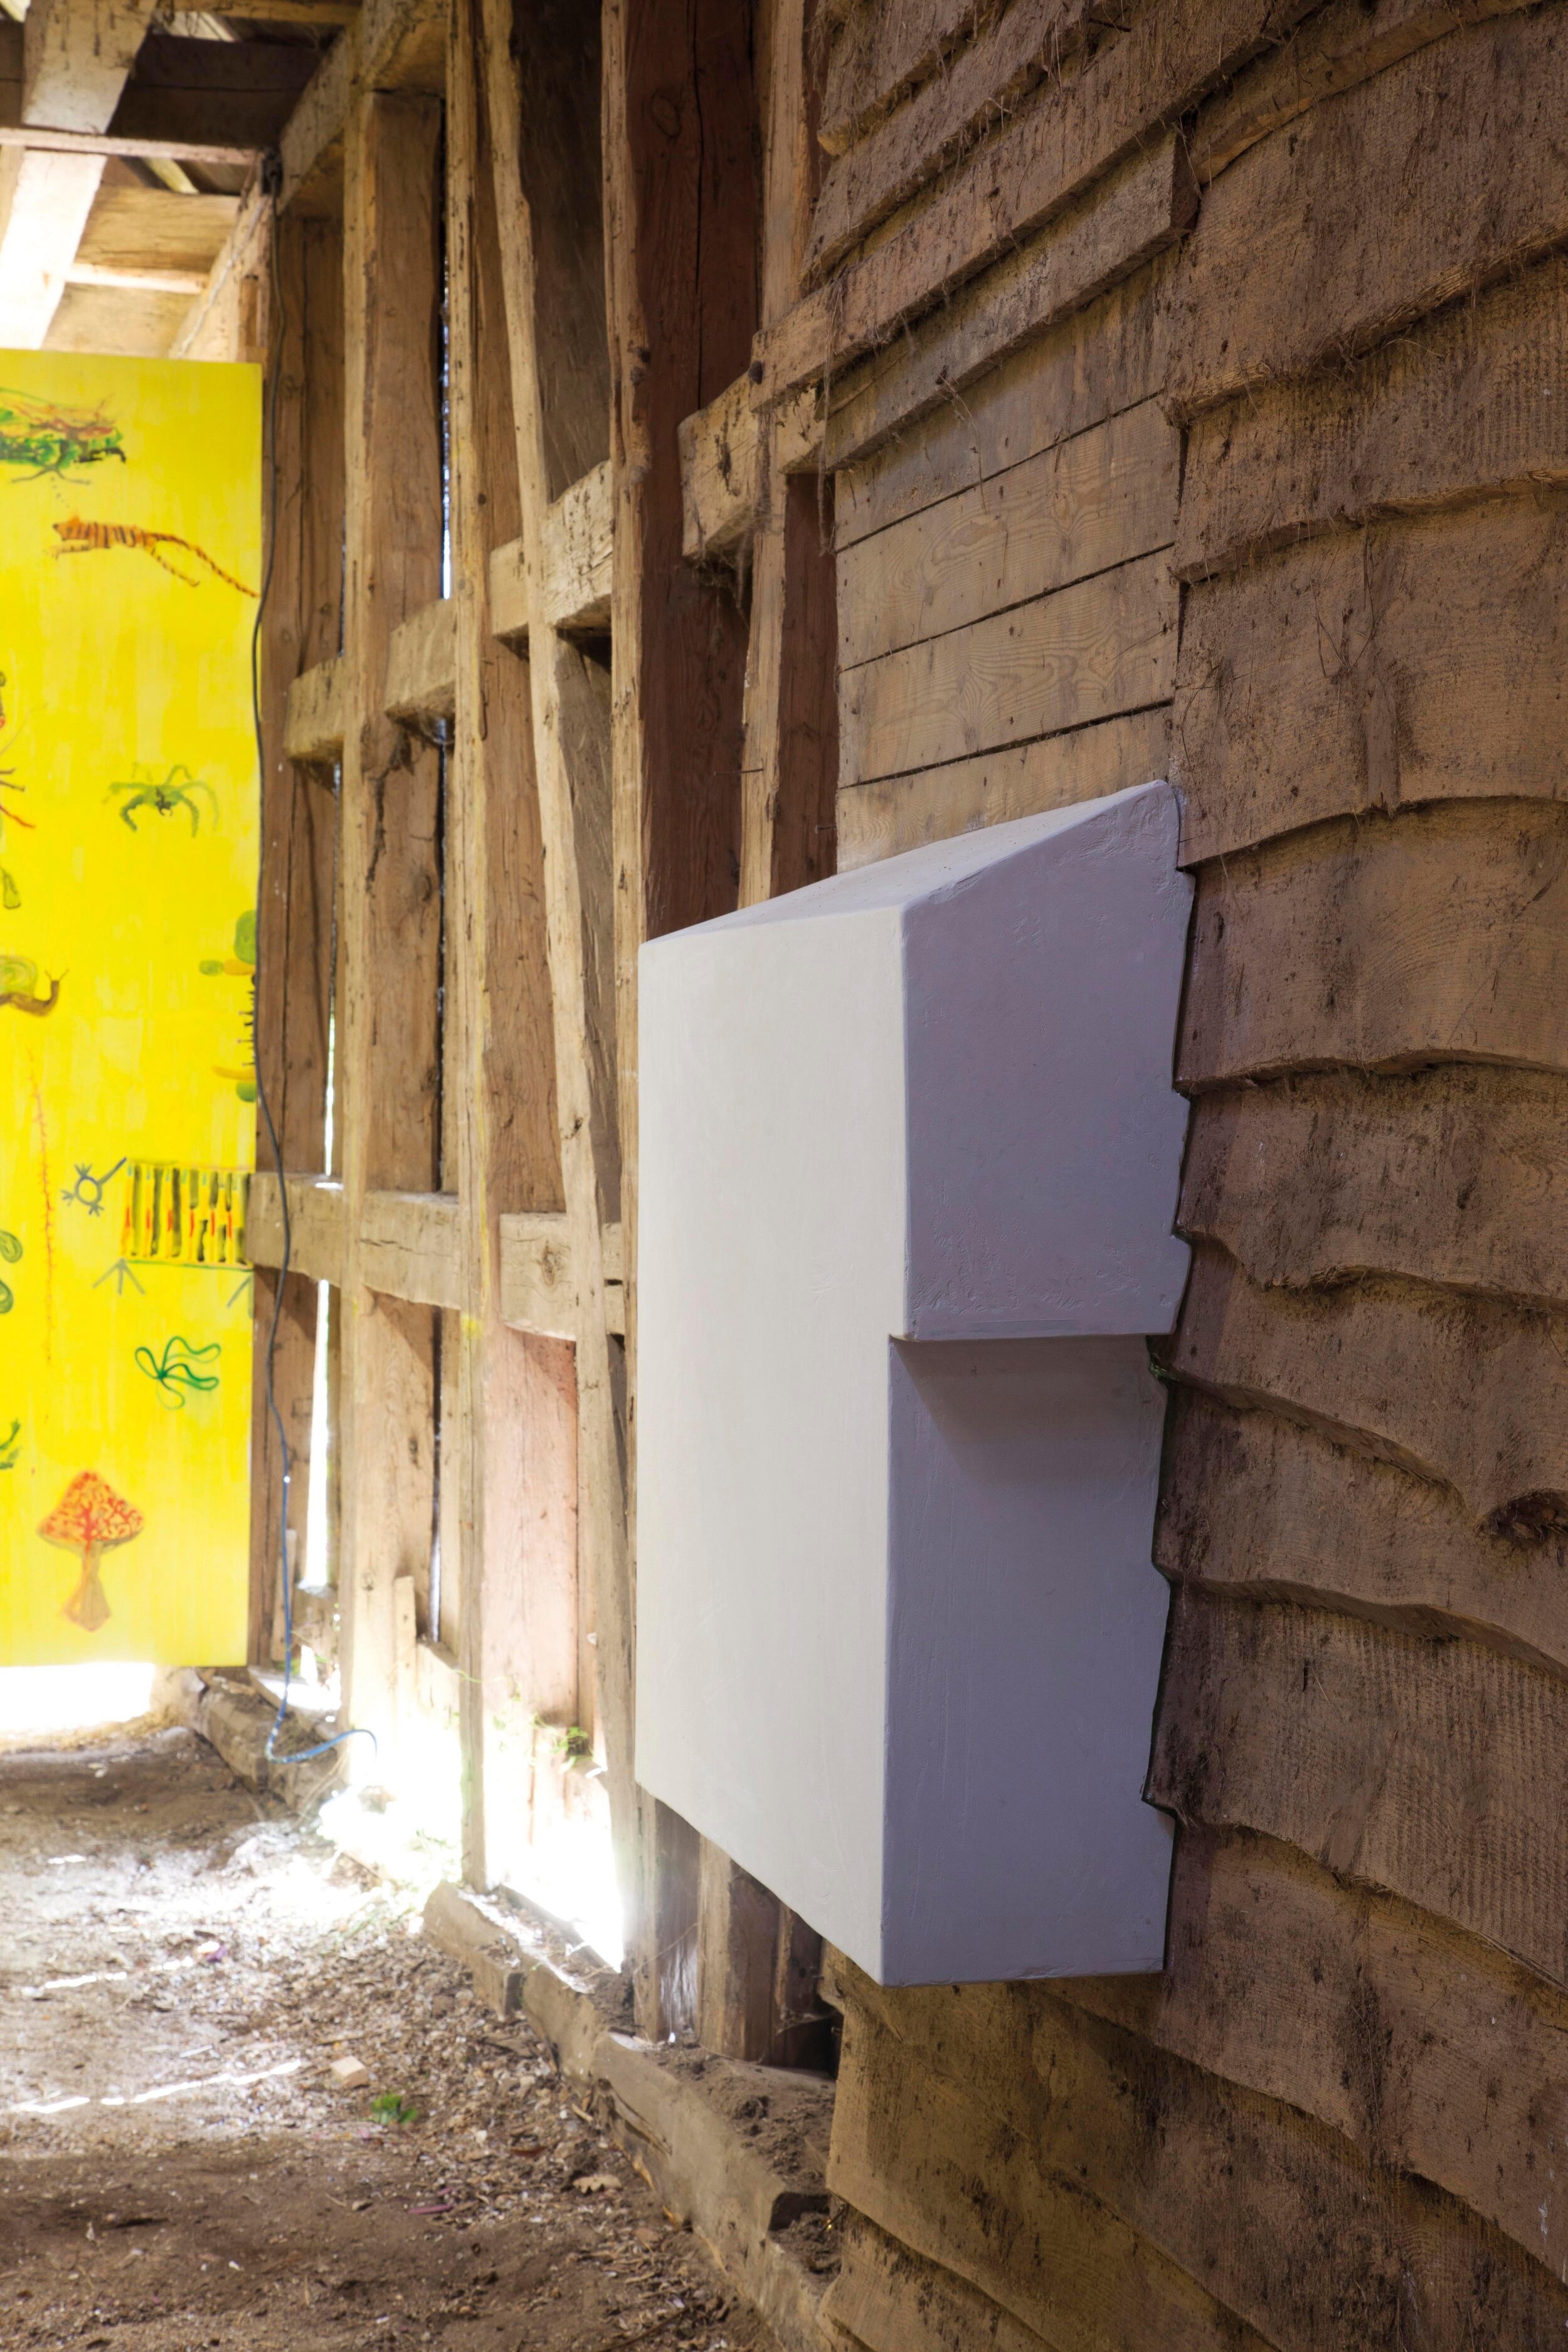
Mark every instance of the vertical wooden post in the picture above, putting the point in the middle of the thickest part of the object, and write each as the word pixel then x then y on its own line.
pixel 298 852
pixel 388 1032
pixel 518 1467
pixel 790 763
pixel 750 1947
pixel 680 220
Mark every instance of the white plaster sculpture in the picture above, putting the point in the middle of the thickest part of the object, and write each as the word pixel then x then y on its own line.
pixel 908 1160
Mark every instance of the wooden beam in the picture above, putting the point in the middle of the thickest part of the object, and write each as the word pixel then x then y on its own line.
pixel 421 663
pixel 387 1032
pixel 681 264
pixel 322 13
pixel 577 565
pixel 221 323
pixel 538 1292
pixel 411 1247
pixel 546 190
pixel 45 201
pixel 295 911
pixel 523 1628
pixel 313 728
pixel 78 56
pixel 317 1225
pixel 392 45
pixel 721 464
pixel 148 145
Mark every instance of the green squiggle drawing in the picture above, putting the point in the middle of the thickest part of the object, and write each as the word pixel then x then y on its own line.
pixel 175 1372
pixel 10 1250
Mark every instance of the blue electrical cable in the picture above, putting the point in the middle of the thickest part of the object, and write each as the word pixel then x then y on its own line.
pixel 272 176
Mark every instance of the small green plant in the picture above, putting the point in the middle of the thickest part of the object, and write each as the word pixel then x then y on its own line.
pixel 574 1744
pixel 392 2107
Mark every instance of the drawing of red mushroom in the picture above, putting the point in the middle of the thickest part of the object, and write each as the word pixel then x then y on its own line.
pixel 91 1518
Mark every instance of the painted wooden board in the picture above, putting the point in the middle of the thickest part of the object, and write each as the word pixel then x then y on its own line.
pixel 1439 934
pixel 1258 1503
pixel 1083 505
pixel 1104 645
pixel 1316 244
pixel 128 955
pixel 898 812
pixel 1469 1390
pixel 1429 1768
pixel 1093 363
pixel 1416 660
pixel 1426 2049
pixel 1457 1175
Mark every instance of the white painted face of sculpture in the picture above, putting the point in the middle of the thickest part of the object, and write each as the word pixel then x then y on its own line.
pixel 909 1153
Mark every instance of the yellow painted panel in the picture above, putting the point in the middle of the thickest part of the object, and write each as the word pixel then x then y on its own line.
pixel 130 555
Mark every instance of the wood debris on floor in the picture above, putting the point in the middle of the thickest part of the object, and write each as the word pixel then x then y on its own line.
pixel 179 2167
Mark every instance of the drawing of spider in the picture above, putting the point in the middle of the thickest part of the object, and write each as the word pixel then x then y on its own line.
pixel 166 797
pixel 89 1188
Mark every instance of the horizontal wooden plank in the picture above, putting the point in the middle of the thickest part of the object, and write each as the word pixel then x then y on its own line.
pixel 1257 1503
pixel 314 726
pixel 1320 241
pixel 1070 137
pixel 900 813
pixel 422 664
pixel 1467 402
pixel 963 2113
pixel 720 465
pixel 1457 1176
pixel 1119 219
pixel 1471 1391
pixel 538 1292
pixel 1089 503
pixel 1103 646
pixel 888 2300
pixel 968 2186
pixel 578 549
pixel 980 84
pixel 1343 44
pixel 1384 943
pixel 879 53
pixel 411 1247
pixel 148 144
pixel 142 280
pixel 1429 1769
pixel 1423 2047
pixel 1415 660
pixel 137 230
pixel 928 445
pixel 316 1226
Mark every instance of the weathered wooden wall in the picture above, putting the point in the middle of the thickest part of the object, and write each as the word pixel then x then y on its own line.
pixel 983 407
pixel 1205 418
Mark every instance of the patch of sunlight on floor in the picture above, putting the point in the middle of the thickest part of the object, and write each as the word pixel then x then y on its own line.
pixel 36 1700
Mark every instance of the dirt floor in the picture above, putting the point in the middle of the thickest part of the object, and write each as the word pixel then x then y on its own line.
pixel 180 1963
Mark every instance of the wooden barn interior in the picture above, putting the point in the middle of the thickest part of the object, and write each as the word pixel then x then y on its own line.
pixel 717 445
